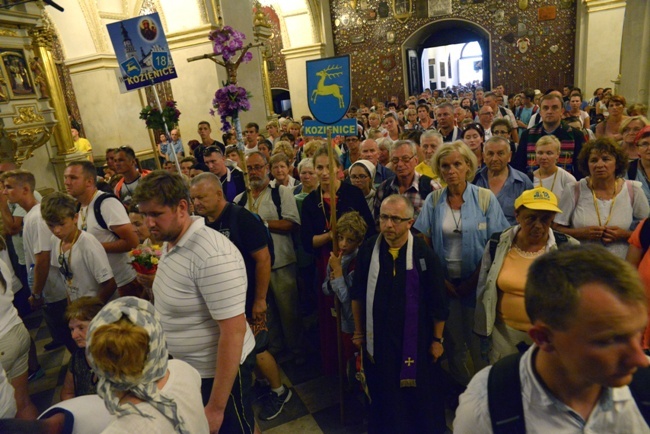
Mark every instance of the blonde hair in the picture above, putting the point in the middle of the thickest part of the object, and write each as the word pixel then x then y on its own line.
pixel 120 349
pixel 549 140
pixel 448 148
pixel 310 148
pixel 284 147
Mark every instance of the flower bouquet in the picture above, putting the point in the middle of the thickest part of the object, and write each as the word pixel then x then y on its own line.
pixel 154 119
pixel 144 259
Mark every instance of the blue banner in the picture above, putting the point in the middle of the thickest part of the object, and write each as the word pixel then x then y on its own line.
pixel 329 88
pixel 344 127
pixel 142 51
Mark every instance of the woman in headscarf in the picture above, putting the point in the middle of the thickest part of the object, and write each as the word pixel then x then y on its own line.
pixel 149 394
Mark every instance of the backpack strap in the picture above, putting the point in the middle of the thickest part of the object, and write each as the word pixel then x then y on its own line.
pixel 97 209
pixel 632 170
pixel 645 235
pixel 640 388
pixel 494 241
pixel 504 396
pixel 242 200
pixel 484 198
pixel 630 191
pixel 277 200
pixel 424 186
pixel 560 238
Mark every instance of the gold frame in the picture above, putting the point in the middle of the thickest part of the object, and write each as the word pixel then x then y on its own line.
pixel 402 17
pixel 19 53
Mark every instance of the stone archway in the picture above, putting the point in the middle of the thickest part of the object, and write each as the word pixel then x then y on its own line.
pixel 439 33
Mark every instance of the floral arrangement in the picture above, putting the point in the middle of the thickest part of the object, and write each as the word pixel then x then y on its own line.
pixel 226 41
pixel 144 259
pixel 154 119
pixel 228 101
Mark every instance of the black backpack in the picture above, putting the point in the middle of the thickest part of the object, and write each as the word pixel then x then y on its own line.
pixel 97 209
pixel 275 196
pixel 505 399
pixel 234 231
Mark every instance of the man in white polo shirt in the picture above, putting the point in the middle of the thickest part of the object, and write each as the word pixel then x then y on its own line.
pixel 200 293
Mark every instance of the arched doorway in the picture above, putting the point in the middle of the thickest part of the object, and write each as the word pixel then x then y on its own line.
pixel 438 34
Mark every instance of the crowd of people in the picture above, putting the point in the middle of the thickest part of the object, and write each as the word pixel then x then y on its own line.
pixel 454 230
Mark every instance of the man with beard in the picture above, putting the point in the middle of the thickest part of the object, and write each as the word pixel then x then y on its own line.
pixel 278 208
pixel 200 293
pixel 506 183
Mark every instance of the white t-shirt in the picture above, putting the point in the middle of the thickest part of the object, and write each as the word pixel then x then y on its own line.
pixel 563 178
pixel 584 214
pixel 7 400
pixel 18 211
pixel 114 214
pixel 184 387
pixel 89 265
pixel 248 150
pixel 201 280
pixel 37 237
pixel 87 414
pixel 283 249
pixel 8 314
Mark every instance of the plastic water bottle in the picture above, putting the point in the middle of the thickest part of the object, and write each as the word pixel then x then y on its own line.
pixel 30 277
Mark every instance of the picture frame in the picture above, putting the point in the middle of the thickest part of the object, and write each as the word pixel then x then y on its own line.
pixel 18 76
pixel 442 69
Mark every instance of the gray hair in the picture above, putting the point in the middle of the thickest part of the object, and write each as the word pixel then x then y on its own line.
pixel 399 143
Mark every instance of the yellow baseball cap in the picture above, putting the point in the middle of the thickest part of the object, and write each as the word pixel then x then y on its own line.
pixel 540 198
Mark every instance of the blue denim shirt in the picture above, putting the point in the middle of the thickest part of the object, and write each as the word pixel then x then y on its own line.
pixel 477 227
pixel 516 184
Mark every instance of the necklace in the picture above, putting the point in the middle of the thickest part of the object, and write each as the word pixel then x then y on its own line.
pixel 525 254
pixel 611 207
pixel 453 215
pixel 255 206
pixel 541 181
pixel 66 268
pixel 83 212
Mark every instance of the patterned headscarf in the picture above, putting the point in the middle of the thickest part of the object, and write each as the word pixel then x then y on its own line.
pixel 143 314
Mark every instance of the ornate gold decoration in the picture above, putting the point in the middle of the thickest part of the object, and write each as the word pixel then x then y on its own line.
pixel 7 32
pixel 42 36
pixel 19 145
pixel 27 115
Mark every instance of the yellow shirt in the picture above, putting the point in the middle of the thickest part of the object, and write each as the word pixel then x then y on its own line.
pixel 83 145
pixel 511 283
pixel 424 169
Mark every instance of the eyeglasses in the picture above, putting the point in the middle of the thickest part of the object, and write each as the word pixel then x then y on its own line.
pixel 643 145
pixel 64 269
pixel 405 159
pixel 358 177
pixel 393 218
pixel 211 150
pixel 256 168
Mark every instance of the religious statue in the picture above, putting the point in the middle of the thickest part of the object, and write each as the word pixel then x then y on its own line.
pixel 39 77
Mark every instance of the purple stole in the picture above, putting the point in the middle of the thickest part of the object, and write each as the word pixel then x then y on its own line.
pixel 412 290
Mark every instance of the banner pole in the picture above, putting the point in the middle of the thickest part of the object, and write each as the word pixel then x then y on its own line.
pixel 169 138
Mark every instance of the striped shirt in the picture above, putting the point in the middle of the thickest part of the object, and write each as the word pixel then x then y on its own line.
pixel 200 281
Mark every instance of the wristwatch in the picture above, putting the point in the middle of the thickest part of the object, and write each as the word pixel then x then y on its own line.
pixel 441 340
pixel 37 296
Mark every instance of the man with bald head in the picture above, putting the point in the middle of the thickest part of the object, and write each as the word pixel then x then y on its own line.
pixel 370 151
pixel 571 140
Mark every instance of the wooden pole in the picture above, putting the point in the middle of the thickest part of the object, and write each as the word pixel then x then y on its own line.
pixel 335 250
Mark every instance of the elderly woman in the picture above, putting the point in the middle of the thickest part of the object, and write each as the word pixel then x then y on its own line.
pixel 80 379
pixel 458 220
pixel 362 174
pixel 612 125
pixel 308 180
pixel 281 169
pixel 602 207
pixel 500 310
pixel 549 175
pixel 127 350
pixel 385 146
pixel 639 169
pixel 630 127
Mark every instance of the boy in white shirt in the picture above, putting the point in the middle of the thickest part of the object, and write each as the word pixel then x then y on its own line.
pixel 79 256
